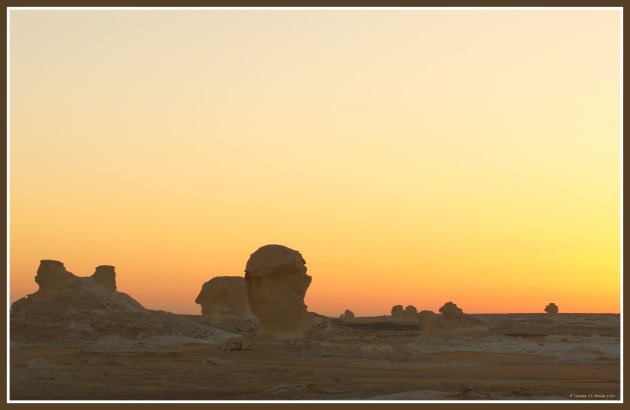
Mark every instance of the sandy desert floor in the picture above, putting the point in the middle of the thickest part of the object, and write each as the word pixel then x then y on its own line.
pixel 519 357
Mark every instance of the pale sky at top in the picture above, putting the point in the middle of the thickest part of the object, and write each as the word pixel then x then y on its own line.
pixel 412 157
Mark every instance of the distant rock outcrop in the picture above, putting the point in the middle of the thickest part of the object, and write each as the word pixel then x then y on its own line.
pixel 276 285
pixel 224 298
pixel 398 311
pixel 552 309
pixel 74 310
pixel 451 311
pixel 106 277
pixel 451 322
pixel 410 312
pixel 348 315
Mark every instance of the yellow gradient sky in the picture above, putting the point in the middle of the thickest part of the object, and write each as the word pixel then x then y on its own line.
pixel 412 157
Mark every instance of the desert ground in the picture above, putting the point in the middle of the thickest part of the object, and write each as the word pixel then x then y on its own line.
pixel 525 357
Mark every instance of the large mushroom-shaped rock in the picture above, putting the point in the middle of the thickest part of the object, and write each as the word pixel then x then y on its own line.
pixel 276 285
pixel 398 311
pixel 224 298
pixel 552 309
pixel 75 310
pixel 410 312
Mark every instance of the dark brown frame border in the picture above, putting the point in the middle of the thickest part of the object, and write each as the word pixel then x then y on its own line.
pixel 265 3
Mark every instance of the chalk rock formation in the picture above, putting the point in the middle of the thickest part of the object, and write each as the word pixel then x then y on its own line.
pixel 410 312
pixel 425 319
pixel 451 311
pixel 106 277
pixel 276 285
pixel 398 311
pixel 348 315
pixel 451 322
pixel 52 275
pixel 76 310
pixel 224 298
pixel 61 291
pixel 552 309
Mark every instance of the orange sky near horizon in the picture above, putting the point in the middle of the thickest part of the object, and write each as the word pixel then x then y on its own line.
pixel 411 156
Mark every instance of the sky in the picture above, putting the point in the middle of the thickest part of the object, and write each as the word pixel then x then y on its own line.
pixel 411 156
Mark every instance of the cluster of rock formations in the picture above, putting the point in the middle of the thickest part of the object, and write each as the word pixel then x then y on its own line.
pixel 450 320
pixel 408 312
pixel 270 294
pixel 60 290
pixel 72 309
pixel 269 297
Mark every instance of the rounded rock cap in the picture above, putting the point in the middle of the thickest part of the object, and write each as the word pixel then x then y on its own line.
pixel 221 285
pixel 106 276
pixel 273 259
pixel 105 270
pixel 51 273
pixel 49 262
pixel 410 310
